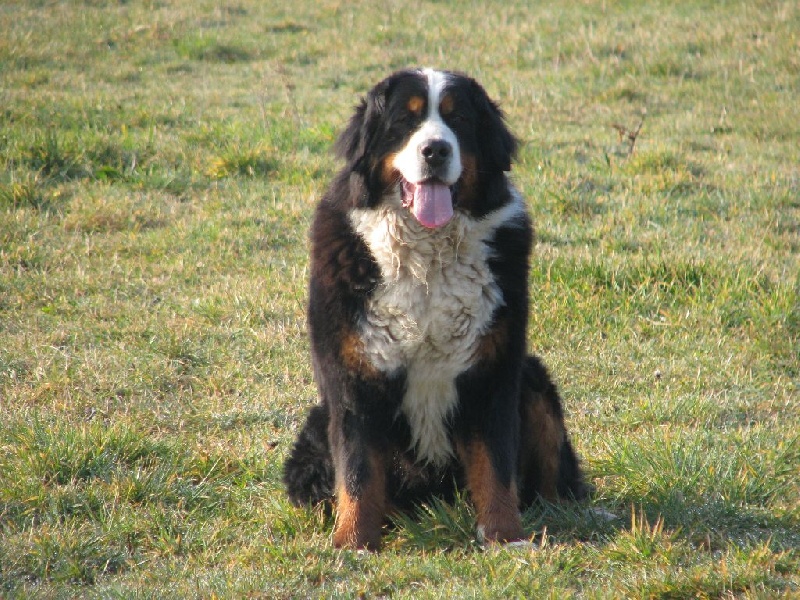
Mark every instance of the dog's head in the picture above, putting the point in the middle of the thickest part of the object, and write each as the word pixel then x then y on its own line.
pixel 435 138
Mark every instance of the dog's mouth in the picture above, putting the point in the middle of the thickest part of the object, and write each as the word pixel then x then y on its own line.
pixel 430 201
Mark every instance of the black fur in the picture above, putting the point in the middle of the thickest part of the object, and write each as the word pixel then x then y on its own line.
pixel 309 469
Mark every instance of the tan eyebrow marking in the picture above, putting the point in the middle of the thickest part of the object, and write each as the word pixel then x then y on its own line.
pixel 447 105
pixel 415 104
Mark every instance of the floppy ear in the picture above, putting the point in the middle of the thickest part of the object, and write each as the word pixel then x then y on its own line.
pixel 353 142
pixel 498 144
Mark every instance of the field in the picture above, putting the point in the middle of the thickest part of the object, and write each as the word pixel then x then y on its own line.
pixel 159 164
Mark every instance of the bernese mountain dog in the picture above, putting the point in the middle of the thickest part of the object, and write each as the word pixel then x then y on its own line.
pixel 417 313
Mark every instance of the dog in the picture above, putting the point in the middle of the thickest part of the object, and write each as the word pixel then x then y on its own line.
pixel 417 314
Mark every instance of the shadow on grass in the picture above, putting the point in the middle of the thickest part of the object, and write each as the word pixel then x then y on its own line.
pixel 710 527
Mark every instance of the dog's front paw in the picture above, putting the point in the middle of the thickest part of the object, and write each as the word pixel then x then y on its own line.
pixel 351 537
pixel 494 534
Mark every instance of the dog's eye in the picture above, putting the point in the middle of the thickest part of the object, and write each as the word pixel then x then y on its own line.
pixel 457 117
pixel 408 116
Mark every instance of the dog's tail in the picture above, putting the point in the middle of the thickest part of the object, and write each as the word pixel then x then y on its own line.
pixel 308 472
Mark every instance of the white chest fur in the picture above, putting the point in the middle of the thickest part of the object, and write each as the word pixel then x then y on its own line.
pixel 436 300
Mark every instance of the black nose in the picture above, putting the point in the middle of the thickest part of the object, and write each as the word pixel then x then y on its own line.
pixel 435 152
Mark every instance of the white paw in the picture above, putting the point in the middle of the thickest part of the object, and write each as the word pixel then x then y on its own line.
pixel 521 545
pixel 603 514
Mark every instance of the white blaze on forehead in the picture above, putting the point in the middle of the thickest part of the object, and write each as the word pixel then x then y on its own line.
pixel 409 160
pixel 436 84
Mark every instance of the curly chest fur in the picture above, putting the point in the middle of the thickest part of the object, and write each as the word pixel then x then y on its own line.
pixel 435 302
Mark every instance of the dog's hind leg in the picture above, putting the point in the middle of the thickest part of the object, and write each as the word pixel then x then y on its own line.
pixel 548 465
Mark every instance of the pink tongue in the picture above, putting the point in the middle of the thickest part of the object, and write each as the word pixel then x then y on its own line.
pixel 433 204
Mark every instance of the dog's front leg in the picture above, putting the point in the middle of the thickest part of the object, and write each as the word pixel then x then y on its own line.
pixel 360 485
pixel 493 491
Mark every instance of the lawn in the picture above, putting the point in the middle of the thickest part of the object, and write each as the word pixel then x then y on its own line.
pixel 159 165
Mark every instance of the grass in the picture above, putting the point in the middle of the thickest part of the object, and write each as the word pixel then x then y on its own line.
pixel 159 163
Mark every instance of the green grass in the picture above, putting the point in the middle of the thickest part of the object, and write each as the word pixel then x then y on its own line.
pixel 159 164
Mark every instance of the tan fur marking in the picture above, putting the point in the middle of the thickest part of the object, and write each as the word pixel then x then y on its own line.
pixel 359 520
pixel 492 344
pixel 467 190
pixel 446 105
pixel 389 173
pixel 542 436
pixel 352 352
pixel 415 104
pixel 496 505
